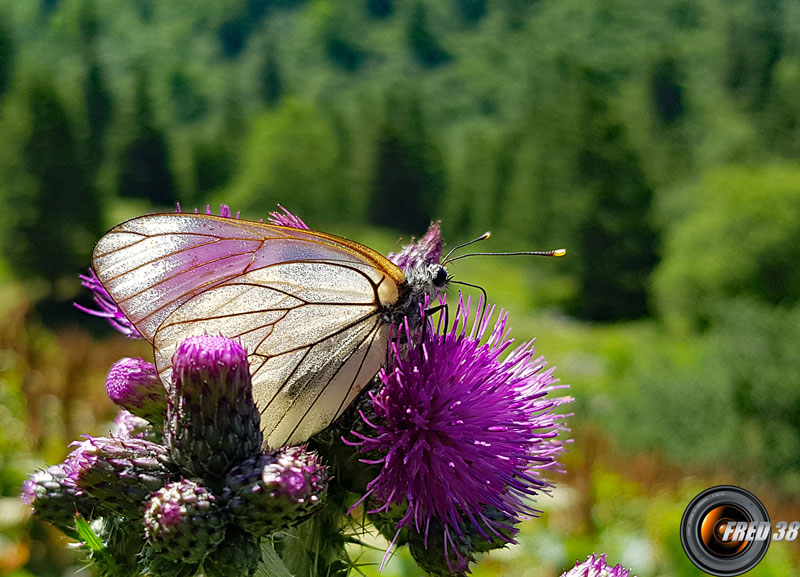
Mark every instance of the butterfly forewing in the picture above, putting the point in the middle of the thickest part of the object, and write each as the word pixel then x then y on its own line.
pixel 305 305
pixel 153 264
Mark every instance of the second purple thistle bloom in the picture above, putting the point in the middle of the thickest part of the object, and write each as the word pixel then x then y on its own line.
pixel 463 434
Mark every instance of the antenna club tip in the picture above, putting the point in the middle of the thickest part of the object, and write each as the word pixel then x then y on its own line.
pixel 559 252
pixel 486 235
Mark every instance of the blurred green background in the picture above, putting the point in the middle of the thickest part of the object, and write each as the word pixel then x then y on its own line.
pixel 657 141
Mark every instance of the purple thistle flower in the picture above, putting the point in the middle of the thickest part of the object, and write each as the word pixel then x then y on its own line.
pixel 595 566
pixel 108 308
pixel 128 425
pixel 461 432
pixel 425 251
pixel 134 384
pixel 286 218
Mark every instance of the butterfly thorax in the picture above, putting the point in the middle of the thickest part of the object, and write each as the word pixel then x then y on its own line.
pixel 423 282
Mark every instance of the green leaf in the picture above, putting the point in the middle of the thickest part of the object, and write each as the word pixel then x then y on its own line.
pixel 97 550
pixel 87 535
pixel 271 564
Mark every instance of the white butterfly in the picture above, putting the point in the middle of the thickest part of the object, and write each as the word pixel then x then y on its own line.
pixel 313 310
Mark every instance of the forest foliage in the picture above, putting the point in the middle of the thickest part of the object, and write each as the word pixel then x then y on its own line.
pixel 595 126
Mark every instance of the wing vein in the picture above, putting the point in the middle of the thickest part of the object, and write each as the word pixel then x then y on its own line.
pixel 370 333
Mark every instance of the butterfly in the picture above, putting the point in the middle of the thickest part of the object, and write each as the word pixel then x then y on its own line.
pixel 313 310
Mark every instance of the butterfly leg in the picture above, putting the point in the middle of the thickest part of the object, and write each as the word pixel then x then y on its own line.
pixel 429 312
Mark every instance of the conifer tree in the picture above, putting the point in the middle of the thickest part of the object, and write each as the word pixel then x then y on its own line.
pixel 6 56
pixel 425 48
pixel 58 212
pixel 408 167
pixel 145 170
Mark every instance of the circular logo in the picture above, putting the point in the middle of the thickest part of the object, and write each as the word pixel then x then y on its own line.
pixel 725 531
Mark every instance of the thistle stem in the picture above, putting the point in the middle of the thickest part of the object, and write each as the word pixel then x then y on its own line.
pixel 316 547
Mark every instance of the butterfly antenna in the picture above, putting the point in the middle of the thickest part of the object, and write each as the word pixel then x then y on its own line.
pixel 484 236
pixel 554 252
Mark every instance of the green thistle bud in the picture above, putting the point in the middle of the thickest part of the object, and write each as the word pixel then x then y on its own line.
pixel 212 422
pixel 183 522
pixel 442 553
pixel 119 474
pixel 55 497
pixel 498 533
pixel 276 490
pixel 239 554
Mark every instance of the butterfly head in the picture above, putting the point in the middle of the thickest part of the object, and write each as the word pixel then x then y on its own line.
pixel 428 279
pixel 425 270
pixel 425 276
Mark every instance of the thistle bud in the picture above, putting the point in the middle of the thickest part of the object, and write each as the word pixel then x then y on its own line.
pixel 212 421
pixel 119 474
pixel 239 554
pixel 275 490
pixel 441 553
pixel 183 521
pixel 55 497
pixel 134 385
pixel 499 531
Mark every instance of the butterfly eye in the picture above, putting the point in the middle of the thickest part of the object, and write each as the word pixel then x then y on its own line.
pixel 440 277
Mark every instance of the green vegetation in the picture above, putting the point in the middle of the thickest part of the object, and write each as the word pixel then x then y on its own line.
pixel 659 142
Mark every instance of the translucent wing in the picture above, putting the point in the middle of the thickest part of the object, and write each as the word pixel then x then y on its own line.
pixel 305 305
